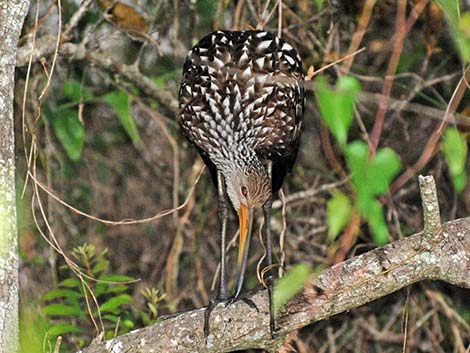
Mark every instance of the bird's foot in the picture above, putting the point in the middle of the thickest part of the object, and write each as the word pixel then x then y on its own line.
pixel 247 300
pixel 207 314
pixel 226 301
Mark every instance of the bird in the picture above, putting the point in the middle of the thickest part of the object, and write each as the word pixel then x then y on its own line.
pixel 241 102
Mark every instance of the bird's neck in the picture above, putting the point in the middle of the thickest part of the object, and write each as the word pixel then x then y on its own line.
pixel 244 161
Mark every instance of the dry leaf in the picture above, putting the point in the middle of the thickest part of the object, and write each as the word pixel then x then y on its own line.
pixel 432 26
pixel 127 19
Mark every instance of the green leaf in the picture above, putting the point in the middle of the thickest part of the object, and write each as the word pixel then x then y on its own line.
pixel 206 10
pixel 121 104
pixel 460 180
pixel 62 293
pixel 383 168
pixel 459 25
pixel 74 91
pixel 454 146
pixel 100 266
pixel 69 130
pixel 116 278
pixel 374 216
pixel 337 105
pixel 153 308
pixel 451 9
pixel 288 286
pixel 71 90
pixel 462 36
pixel 338 213
pixel 117 288
pixel 70 283
pixel 128 324
pixel 62 329
pixel 112 284
pixel 111 317
pixel 62 310
pixel 372 177
pixel 115 302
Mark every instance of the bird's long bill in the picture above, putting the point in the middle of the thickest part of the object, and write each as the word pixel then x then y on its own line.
pixel 245 217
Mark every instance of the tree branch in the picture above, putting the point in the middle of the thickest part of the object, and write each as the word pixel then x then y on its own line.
pixel 337 289
pixel 46 44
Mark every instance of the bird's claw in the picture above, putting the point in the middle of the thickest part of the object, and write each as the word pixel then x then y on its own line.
pixel 226 301
pixel 247 300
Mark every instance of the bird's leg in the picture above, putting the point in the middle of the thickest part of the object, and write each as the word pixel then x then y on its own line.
pixel 269 280
pixel 222 294
pixel 223 217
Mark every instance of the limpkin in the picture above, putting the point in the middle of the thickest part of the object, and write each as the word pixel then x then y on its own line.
pixel 241 104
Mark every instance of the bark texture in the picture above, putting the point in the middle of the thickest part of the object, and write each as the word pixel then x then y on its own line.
pixel 12 14
pixel 337 289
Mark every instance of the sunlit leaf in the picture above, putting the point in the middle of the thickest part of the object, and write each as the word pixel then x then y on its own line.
pixel 339 210
pixel 459 26
pixel 69 130
pixel 73 90
pixel 454 146
pixel 116 278
pixel 289 285
pixel 100 266
pixel 115 302
pixel 451 9
pixel 62 310
pixel 70 283
pixel 127 324
pixel 371 178
pixel 375 219
pixel 111 317
pixel 62 329
pixel 121 104
pixel 61 293
pixel 337 105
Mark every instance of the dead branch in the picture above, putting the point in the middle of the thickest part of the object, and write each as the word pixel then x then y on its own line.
pixel 342 287
pixel 77 52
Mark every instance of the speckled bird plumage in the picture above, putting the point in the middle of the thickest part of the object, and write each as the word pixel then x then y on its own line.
pixel 241 103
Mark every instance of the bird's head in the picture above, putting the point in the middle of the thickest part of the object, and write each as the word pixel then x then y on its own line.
pixel 248 189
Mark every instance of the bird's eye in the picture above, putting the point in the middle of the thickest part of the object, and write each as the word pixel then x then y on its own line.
pixel 244 191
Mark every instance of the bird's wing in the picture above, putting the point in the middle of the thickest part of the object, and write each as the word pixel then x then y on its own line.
pixel 242 87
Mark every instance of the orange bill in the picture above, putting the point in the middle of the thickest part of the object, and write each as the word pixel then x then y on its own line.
pixel 246 220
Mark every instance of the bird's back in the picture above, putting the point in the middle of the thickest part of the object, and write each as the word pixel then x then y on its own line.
pixel 242 90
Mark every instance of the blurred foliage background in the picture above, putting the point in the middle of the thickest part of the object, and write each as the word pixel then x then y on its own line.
pixel 98 142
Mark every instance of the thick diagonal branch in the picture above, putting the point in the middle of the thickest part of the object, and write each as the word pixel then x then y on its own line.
pixel 344 286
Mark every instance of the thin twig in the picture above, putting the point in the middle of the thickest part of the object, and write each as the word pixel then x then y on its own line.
pixel 402 28
pixel 125 221
pixel 349 56
pixel 433 141
pixel 359 33
pixel 76 17
pixel 405 320
pixel 56 50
